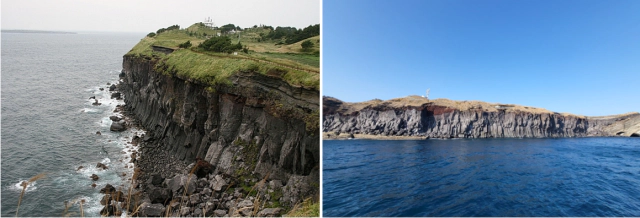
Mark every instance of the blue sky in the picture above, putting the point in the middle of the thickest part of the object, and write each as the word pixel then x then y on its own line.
pixel 581 56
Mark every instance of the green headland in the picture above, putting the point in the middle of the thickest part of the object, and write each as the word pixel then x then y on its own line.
pixel 211 54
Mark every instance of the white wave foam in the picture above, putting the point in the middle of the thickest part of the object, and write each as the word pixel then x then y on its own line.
pixel 90 110
pixel 18 186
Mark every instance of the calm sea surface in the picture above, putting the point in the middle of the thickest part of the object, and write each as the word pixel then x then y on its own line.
pixel 488 177
pixel 49 125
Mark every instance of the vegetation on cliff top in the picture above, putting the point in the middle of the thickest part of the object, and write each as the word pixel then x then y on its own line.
pixel 211 55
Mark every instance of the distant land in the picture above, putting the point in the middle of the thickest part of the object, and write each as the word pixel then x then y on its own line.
pixel 38 31
pixel 419 117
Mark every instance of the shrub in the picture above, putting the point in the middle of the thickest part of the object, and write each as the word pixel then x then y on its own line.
pixel 306 45
pixel 151 34
pixel 187 44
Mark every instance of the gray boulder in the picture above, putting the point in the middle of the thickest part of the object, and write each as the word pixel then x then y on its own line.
pixel 182 183
pixel 270 212
pixel 218 184
pixel 112 87
pixel 117 127
pixel 219 213
pixel 151 210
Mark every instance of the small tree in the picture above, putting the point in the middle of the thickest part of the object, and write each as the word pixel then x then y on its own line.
pixel 306 45
pixel 151 34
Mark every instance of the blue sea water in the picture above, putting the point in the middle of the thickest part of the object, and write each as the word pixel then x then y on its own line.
pixel 49 124
pixel 486 177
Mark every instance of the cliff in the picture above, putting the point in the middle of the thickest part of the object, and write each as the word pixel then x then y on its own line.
pixel 415 116
pixel 253 127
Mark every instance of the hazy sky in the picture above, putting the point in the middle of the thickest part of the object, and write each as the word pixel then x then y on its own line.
pixel 576 56
pixel 151 15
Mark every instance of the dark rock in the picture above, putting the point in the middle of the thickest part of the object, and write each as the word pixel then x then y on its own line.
pixel 93 185
pixel 155 179
pixel 94 177
pixel 101 89
pixel 96 103
pixel 117 127
pixel 108 83
pixel 92 97
pixel 351 136
pixel 98 133
pixel 102 166
pixel 79 168
pixel 115 118
pixel 108 210
pixel 106 199
pixel 115 95
pixel 147 138
pixel 122 74
pixel 112 87
pixel 197 212
pixel 159 195
pixel 151 210
pixel 108 189
pixel 270 212
pixel 194 199
pixel 219 213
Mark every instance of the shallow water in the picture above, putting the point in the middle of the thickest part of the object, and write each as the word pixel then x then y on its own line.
pixel 487 177
pixel 49 125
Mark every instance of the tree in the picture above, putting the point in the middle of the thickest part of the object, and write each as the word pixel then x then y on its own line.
pixel 306 45
pixel 220 44
pixel 151 34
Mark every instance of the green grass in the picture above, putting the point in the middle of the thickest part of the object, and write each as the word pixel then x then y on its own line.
pixel 301 69
pixel 308 208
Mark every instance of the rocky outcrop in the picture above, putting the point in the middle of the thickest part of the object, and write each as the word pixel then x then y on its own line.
pixel 438 121
pixel 254 128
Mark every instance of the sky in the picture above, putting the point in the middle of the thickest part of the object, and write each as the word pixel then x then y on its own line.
pixel 575 56
pixel 151 15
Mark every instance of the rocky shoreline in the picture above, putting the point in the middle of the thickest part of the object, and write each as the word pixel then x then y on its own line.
pixel 163 185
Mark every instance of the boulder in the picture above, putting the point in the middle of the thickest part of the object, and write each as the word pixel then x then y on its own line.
pixel 102 166
pixel 219 213
pixel 107 189
pixel 245 203
pixel 197 212
pixel 96 103
pixel 185 211
pixel 101 89
pixel 98 133
pixel 92 97
pixel 194 199
pixel 151 210
pixel 117 127
pixel 270 212
pixel 115 118
pixel 219 183
pixel 154 179
pixel 275 184
pixel 94 177
pixel 112 87
pixel 79 168
pixel 121 75
pixel 116 95
pixel 182 183
pixel 159 195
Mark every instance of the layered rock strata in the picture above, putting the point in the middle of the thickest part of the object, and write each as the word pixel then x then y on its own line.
pixel 411 117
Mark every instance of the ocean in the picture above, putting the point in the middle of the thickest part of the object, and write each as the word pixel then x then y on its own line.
pixel 482 177
pixel 49 124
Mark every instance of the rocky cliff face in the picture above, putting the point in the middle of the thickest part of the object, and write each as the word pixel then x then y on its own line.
pixel 438 121
pixel 256 127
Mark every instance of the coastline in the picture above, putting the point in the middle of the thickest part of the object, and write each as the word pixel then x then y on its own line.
pixel 346 136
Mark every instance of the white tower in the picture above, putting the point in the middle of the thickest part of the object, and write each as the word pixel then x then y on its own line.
pixel 427 96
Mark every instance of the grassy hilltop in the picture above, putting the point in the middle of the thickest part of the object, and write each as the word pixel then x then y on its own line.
pixel 211 55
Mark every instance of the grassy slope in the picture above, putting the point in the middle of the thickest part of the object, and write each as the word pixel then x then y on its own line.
pixel 213 68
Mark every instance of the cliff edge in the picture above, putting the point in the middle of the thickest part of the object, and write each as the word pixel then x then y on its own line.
pixel 415 116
